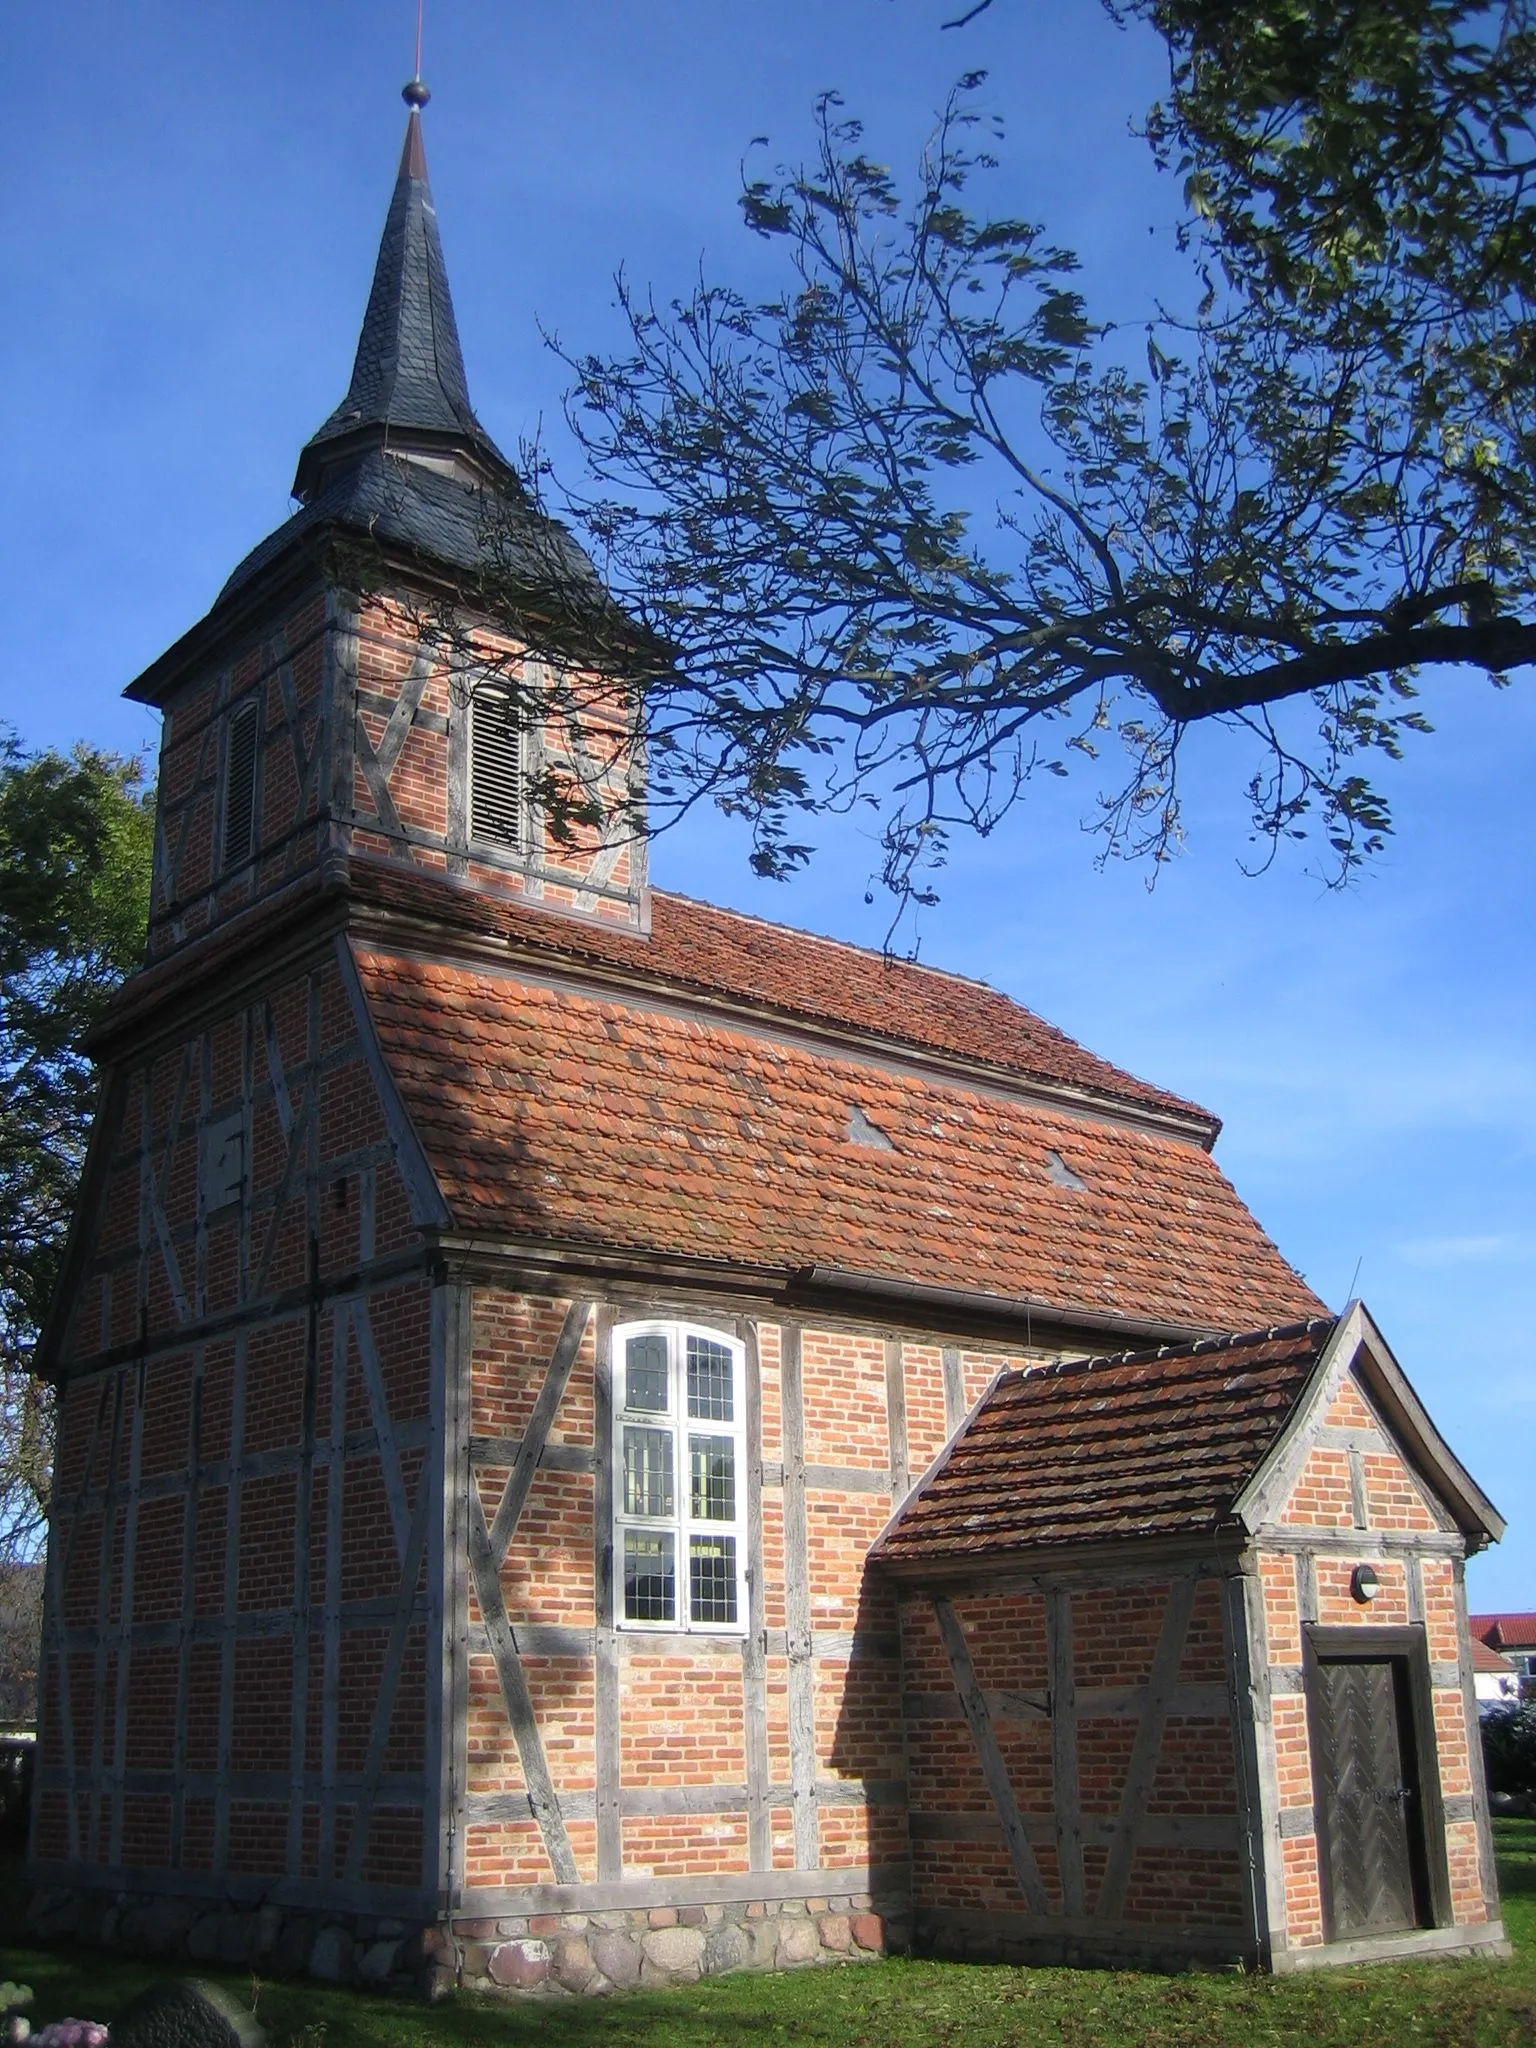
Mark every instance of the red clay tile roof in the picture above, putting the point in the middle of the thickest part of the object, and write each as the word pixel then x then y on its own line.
pixel 1505 1631
pixel 1485 1659
pixel 1152 1443
pixel 590 1119
pixel 722 953
pixel 719 955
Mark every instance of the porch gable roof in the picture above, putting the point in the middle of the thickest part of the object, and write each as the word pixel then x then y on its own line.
pixel 1182 1441
pixel 1148 1444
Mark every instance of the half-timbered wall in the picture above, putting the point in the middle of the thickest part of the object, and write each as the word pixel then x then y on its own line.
pixel 331 1619
pixel 1356 1501
pixel 286 671
pixel 362 744
pixel 410 795
pixel 607 1769
pixel 1073 1769
pixel 241 1693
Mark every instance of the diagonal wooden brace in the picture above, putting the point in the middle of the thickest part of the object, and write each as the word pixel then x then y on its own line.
pixel 1146 1748
pixel 974 1706
pixel 488 1546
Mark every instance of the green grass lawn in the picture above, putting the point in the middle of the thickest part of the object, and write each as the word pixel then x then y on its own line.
pixel 890 2005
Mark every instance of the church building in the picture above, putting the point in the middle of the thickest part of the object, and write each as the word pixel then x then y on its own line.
pixel 603 1440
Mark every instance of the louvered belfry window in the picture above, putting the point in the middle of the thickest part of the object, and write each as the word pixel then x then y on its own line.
pixel 495 769
pixel 240 787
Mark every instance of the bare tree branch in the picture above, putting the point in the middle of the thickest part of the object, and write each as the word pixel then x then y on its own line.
pixel 916 528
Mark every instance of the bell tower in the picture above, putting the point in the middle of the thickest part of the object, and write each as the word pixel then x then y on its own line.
pixel 257 1342
pixel 377 681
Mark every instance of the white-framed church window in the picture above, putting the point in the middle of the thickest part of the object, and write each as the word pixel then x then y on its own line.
pixel 679 1478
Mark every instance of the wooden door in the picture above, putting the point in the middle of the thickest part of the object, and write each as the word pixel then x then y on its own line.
pixel 1369 1819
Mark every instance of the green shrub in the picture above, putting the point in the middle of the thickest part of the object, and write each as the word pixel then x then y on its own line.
pixel 1509 1750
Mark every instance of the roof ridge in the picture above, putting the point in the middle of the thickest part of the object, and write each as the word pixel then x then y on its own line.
pixel 796 931
pixel 543 930
pixel 1176 1104
pixel 667 957
pixel 1277 1333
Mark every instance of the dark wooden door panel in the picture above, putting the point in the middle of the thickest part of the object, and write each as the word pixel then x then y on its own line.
pixel 1365 1793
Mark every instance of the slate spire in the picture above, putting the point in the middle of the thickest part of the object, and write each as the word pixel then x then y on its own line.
pixel 408 393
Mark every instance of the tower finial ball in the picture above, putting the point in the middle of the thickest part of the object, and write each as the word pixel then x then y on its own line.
pixel 415 94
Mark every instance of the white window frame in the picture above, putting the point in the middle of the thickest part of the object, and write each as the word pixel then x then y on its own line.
pixel 681 1524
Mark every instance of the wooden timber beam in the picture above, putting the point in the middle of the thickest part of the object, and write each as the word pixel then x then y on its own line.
pixel 1146 1747
pixel 488 1546
pixel 800 1646
pixel 993 1768
pixel 1064 1773
pixel 754 1648
pixel 606 1716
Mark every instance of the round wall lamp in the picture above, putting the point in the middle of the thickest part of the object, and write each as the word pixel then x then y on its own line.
pixel 1364 1583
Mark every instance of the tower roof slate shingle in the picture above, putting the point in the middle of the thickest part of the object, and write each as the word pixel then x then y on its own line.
pixel 403 462
pixel 408 382
pixel 460 525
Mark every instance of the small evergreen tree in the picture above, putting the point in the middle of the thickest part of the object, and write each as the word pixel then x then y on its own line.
pixel 1509 1750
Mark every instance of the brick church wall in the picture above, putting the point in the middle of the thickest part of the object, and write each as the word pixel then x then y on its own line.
pixel 408 813
pixel 285 671
pixel 231 1671
pixel 362 747
pixel 752 1778
pixel 1067 1766
pixel 269 1682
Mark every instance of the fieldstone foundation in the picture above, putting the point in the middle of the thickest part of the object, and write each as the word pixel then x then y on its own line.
pixel 588 1954
pixel 276 1941
pixel 538 1955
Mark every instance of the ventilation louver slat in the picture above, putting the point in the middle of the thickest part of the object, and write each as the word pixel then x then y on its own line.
pixel 496 761
pixel 240 787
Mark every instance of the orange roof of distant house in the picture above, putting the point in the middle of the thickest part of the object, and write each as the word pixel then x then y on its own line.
pixel 1486 1659
pixel 1505 1631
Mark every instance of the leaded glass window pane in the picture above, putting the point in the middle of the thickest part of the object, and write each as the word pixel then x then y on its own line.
pixel 709 1381
pixel 648 1488
pixel 711 1479
pixel 645 1373
pixel 678 1496
pixel 650 1575
pixel 712 1578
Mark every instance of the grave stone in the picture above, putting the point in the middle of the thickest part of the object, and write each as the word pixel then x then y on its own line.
pixel 186 2013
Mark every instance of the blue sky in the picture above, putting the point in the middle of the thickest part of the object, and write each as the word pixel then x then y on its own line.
pixel 192 197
